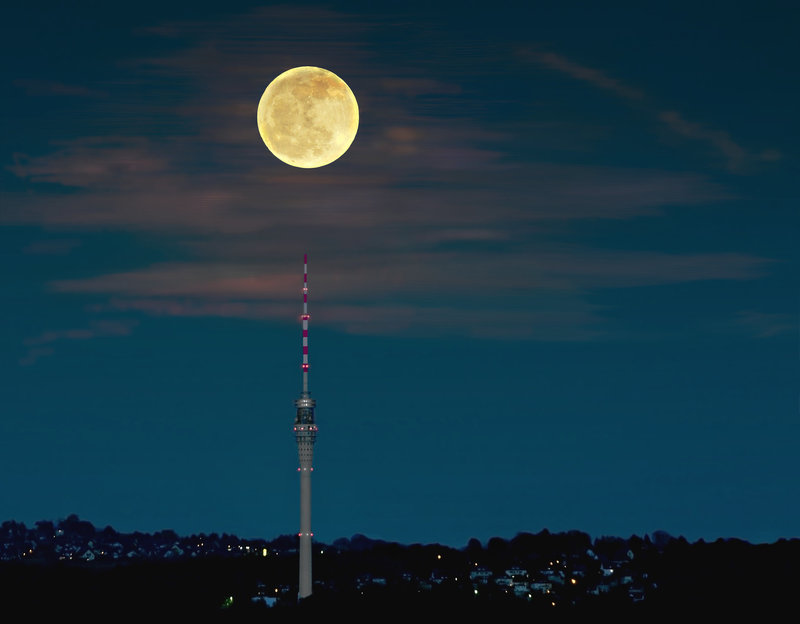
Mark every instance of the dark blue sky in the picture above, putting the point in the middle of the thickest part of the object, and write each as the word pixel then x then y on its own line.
pixel 553 282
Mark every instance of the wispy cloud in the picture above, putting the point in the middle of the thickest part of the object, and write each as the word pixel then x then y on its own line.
pixel 587 74
pixel 767 324
pixel 736 157
pixel 151 185
pixel 44 344
pixel 411 274
pixel 97 163
pixel 569 319
pixel 442 292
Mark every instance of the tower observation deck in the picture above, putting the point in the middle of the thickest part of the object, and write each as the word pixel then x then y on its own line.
pixel 305 431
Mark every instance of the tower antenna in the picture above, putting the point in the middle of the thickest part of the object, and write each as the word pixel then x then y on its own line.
pixel 305 431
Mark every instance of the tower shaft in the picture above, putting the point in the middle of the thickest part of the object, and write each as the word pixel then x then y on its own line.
pixel 305 434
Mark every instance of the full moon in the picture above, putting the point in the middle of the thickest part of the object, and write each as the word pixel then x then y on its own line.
pixel 308 117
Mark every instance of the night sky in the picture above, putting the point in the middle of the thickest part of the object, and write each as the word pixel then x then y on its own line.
pixel 553 282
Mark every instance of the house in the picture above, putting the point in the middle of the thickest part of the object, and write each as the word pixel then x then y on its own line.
pixel 517 573
pixel 541 587
pixel 269 601
pixel 636 594
pixel 480 575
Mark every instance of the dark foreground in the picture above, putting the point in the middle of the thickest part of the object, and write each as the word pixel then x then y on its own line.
pixel 221 591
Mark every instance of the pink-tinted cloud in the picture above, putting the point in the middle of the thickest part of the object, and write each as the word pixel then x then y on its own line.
pixel 96 328
pixel 198 308
pixel 408 274
pixel 116 163
pixel 574 320
pixel 208 281
pixel 142 185
pixel 360 296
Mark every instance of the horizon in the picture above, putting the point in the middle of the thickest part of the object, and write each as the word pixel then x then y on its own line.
pixel 657 535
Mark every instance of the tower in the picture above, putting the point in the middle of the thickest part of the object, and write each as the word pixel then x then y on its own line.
pixel 305 431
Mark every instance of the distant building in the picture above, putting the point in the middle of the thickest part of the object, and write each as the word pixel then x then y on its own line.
pixel 480 575
pixel 541 587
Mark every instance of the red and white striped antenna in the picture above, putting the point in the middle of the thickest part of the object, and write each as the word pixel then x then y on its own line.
pixel 305 318
pixel 305 431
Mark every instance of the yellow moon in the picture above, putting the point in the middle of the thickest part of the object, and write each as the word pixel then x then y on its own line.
pixel 308 117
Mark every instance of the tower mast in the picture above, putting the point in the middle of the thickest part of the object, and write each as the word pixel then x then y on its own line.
pixel 305 433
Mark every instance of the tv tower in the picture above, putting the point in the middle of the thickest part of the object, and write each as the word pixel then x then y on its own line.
pixel 305 431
